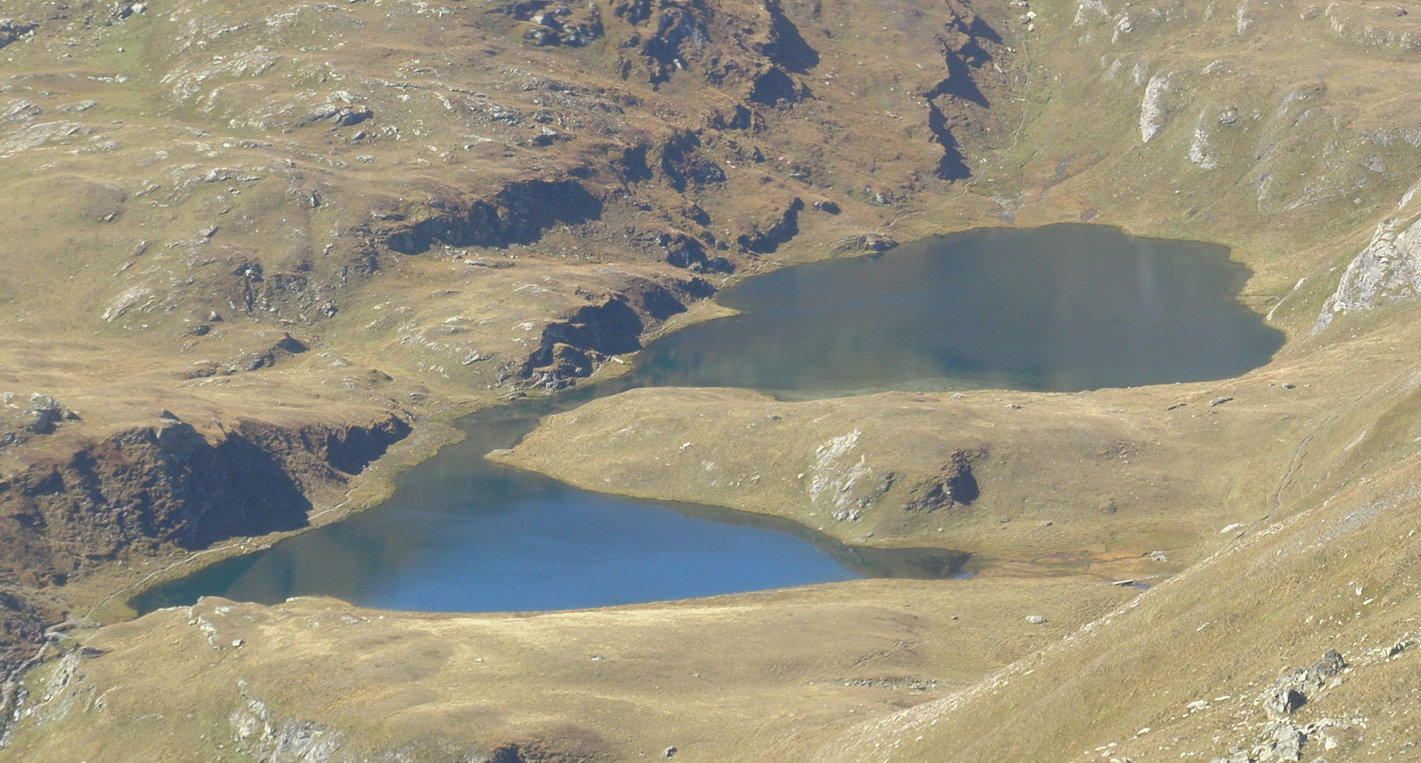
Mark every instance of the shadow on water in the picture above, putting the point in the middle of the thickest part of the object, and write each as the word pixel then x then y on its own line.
pixel 1065 307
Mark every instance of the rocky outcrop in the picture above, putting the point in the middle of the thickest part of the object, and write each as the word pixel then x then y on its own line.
pixel 572 348
pixel 1388 270
pixel 14 29
pixel 167 486
pixel 684 251
pixel 967 43
pixel 258 732
pixel 954 484
pixel 22 418
pixel 1281 737
pixel 680 32
pixel 1292 689
pixel 684 165
pixel 1155 110
pixel 765 237
pixel 21 627
pixel 548 23
pixel 518 214
pixel 864 242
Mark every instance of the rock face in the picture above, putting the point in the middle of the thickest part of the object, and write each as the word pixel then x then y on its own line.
pixel 169 486
pixel 1387 271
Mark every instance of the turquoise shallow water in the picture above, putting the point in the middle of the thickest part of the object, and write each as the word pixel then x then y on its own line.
pixel 1065 307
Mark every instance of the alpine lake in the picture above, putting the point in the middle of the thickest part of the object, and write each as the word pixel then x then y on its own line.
pixel 1058 308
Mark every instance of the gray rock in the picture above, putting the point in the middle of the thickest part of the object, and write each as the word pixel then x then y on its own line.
pixel 1293 689
pixel 1154 109
pixel 1388 270
pixel 1036 619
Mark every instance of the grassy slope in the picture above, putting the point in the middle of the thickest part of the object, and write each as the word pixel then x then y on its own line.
pixel 724 678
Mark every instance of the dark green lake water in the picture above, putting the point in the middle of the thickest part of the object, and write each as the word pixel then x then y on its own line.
pixel 1065 307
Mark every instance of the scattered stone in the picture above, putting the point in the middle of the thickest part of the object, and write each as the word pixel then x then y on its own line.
pixel 1219 401
pixel 1036 619
pixel 670 752
pixel 1285 742
pixel 1157 556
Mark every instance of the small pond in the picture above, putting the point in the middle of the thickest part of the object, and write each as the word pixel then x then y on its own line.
pixel 1064 307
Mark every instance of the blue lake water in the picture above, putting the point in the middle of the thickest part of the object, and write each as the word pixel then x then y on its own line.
pixel 1066 307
